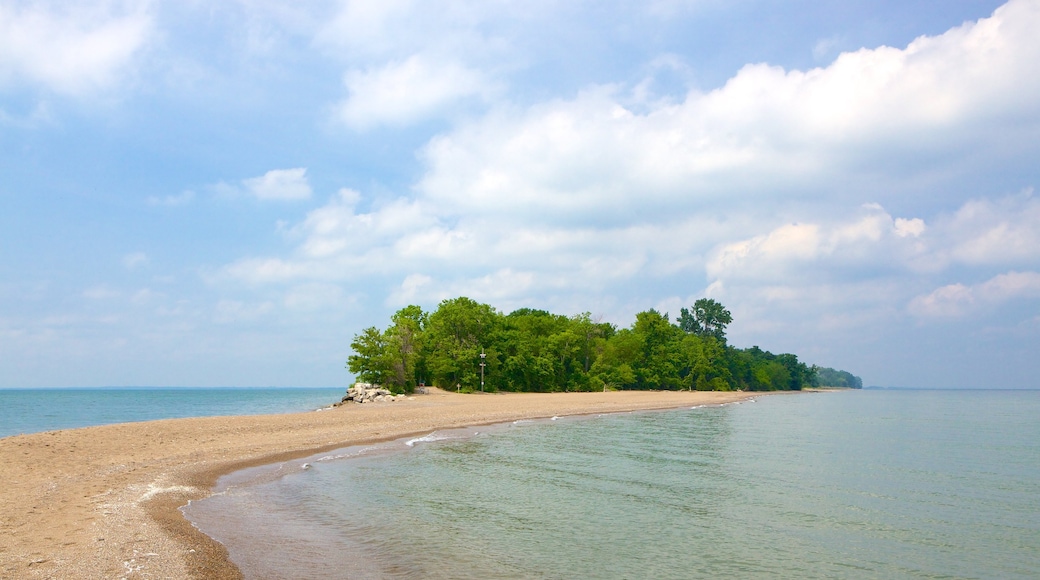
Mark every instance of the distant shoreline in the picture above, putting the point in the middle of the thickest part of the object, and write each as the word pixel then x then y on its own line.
pixel 101 502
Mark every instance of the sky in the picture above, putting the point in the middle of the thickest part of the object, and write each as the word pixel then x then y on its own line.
pixel 225 193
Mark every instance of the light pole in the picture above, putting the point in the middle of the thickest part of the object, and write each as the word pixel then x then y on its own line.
pixel 482 365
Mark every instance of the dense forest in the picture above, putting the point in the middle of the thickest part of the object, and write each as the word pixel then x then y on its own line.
pixel 827 377
pixel 464 341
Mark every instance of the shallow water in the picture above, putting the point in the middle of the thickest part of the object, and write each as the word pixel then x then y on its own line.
pixel 866 484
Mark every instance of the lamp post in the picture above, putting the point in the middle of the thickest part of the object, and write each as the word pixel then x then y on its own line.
pixel 482 365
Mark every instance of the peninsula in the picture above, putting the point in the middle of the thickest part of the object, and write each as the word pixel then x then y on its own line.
pixel 103 502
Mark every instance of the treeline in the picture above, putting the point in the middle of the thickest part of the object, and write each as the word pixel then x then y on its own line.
pixel 534 350
pixel 828 377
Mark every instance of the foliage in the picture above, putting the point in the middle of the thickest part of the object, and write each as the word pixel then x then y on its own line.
pixel 535 350
pixel 709 318
pixel 828 377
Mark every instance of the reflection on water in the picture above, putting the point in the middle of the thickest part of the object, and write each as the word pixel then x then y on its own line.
pixel 845 485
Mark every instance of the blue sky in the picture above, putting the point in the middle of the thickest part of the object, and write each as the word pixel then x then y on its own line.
pixel 200 193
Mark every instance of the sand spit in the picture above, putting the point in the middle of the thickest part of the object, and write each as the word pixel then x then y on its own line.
pixel 102 502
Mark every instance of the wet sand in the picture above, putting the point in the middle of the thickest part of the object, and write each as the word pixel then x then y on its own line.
pixel 102 502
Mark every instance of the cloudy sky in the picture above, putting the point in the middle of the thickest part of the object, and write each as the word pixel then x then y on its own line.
pixel 225 193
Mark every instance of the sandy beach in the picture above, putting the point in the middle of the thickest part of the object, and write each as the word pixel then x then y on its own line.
pixel 102 502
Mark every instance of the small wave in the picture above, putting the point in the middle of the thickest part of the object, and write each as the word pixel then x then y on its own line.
pixel 426 439
pixel 357 453
pixel 555 417
pixel 523 421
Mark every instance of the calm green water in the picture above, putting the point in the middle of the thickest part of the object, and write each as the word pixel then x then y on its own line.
pixel 867 484
pixel 36 410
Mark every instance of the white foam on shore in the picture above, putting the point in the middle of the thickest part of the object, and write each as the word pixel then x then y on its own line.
pixel 353 453
pixel 427 439
pixel 154 490
pixel 710 405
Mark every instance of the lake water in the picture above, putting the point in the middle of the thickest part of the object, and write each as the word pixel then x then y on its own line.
pixel 36 410
pixel 855 484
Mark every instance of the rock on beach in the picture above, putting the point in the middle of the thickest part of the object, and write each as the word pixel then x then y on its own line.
pixel 369 393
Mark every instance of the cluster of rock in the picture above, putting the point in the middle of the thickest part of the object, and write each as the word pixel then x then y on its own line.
pixel 369 393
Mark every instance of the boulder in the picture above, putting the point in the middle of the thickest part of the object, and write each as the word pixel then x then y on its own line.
pixel 368 393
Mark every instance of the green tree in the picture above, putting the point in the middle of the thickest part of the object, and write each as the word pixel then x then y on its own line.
pixel 708 318
pixel 370 362
pixel 657 368
pixel 535 350
pixel 613 369
pixel 711 372
pixel 828 377
pixel 530 359
pixel 455 333
pixel 591 334
pixel 403 345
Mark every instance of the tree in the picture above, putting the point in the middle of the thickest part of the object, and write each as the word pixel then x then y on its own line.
pixel 705 364
pixel 370 362
pixel 535 350
pixel 613 368
pixel 590 333
pixel 709 318
pixel 801 374
pixel 658 366
pixel 828 377
pixel 404 344
pixel 528 362
pixel 455 333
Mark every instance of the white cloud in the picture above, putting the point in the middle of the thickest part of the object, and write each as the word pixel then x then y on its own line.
pixel 825 47
pixel 808 250
pixel 370 27
pixel 835 266
pixel 995 231
pixel 409 290
pixel 876 260
pixel 336 242
pixel 909 227
pixel 400 93
pixel 956 300
pixel 766 133
pixel 71 48
pixel 742 193
pixel 183 198
pixel 101 292
pixel 311 297
pixel 406 61
pixel 502 287
pixel 268 270
pixel 135 260
pixel 280 184
pixel 232 311
pixel 144 296
pixel 391 29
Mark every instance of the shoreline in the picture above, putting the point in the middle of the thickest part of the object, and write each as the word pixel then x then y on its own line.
pixel 104 502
